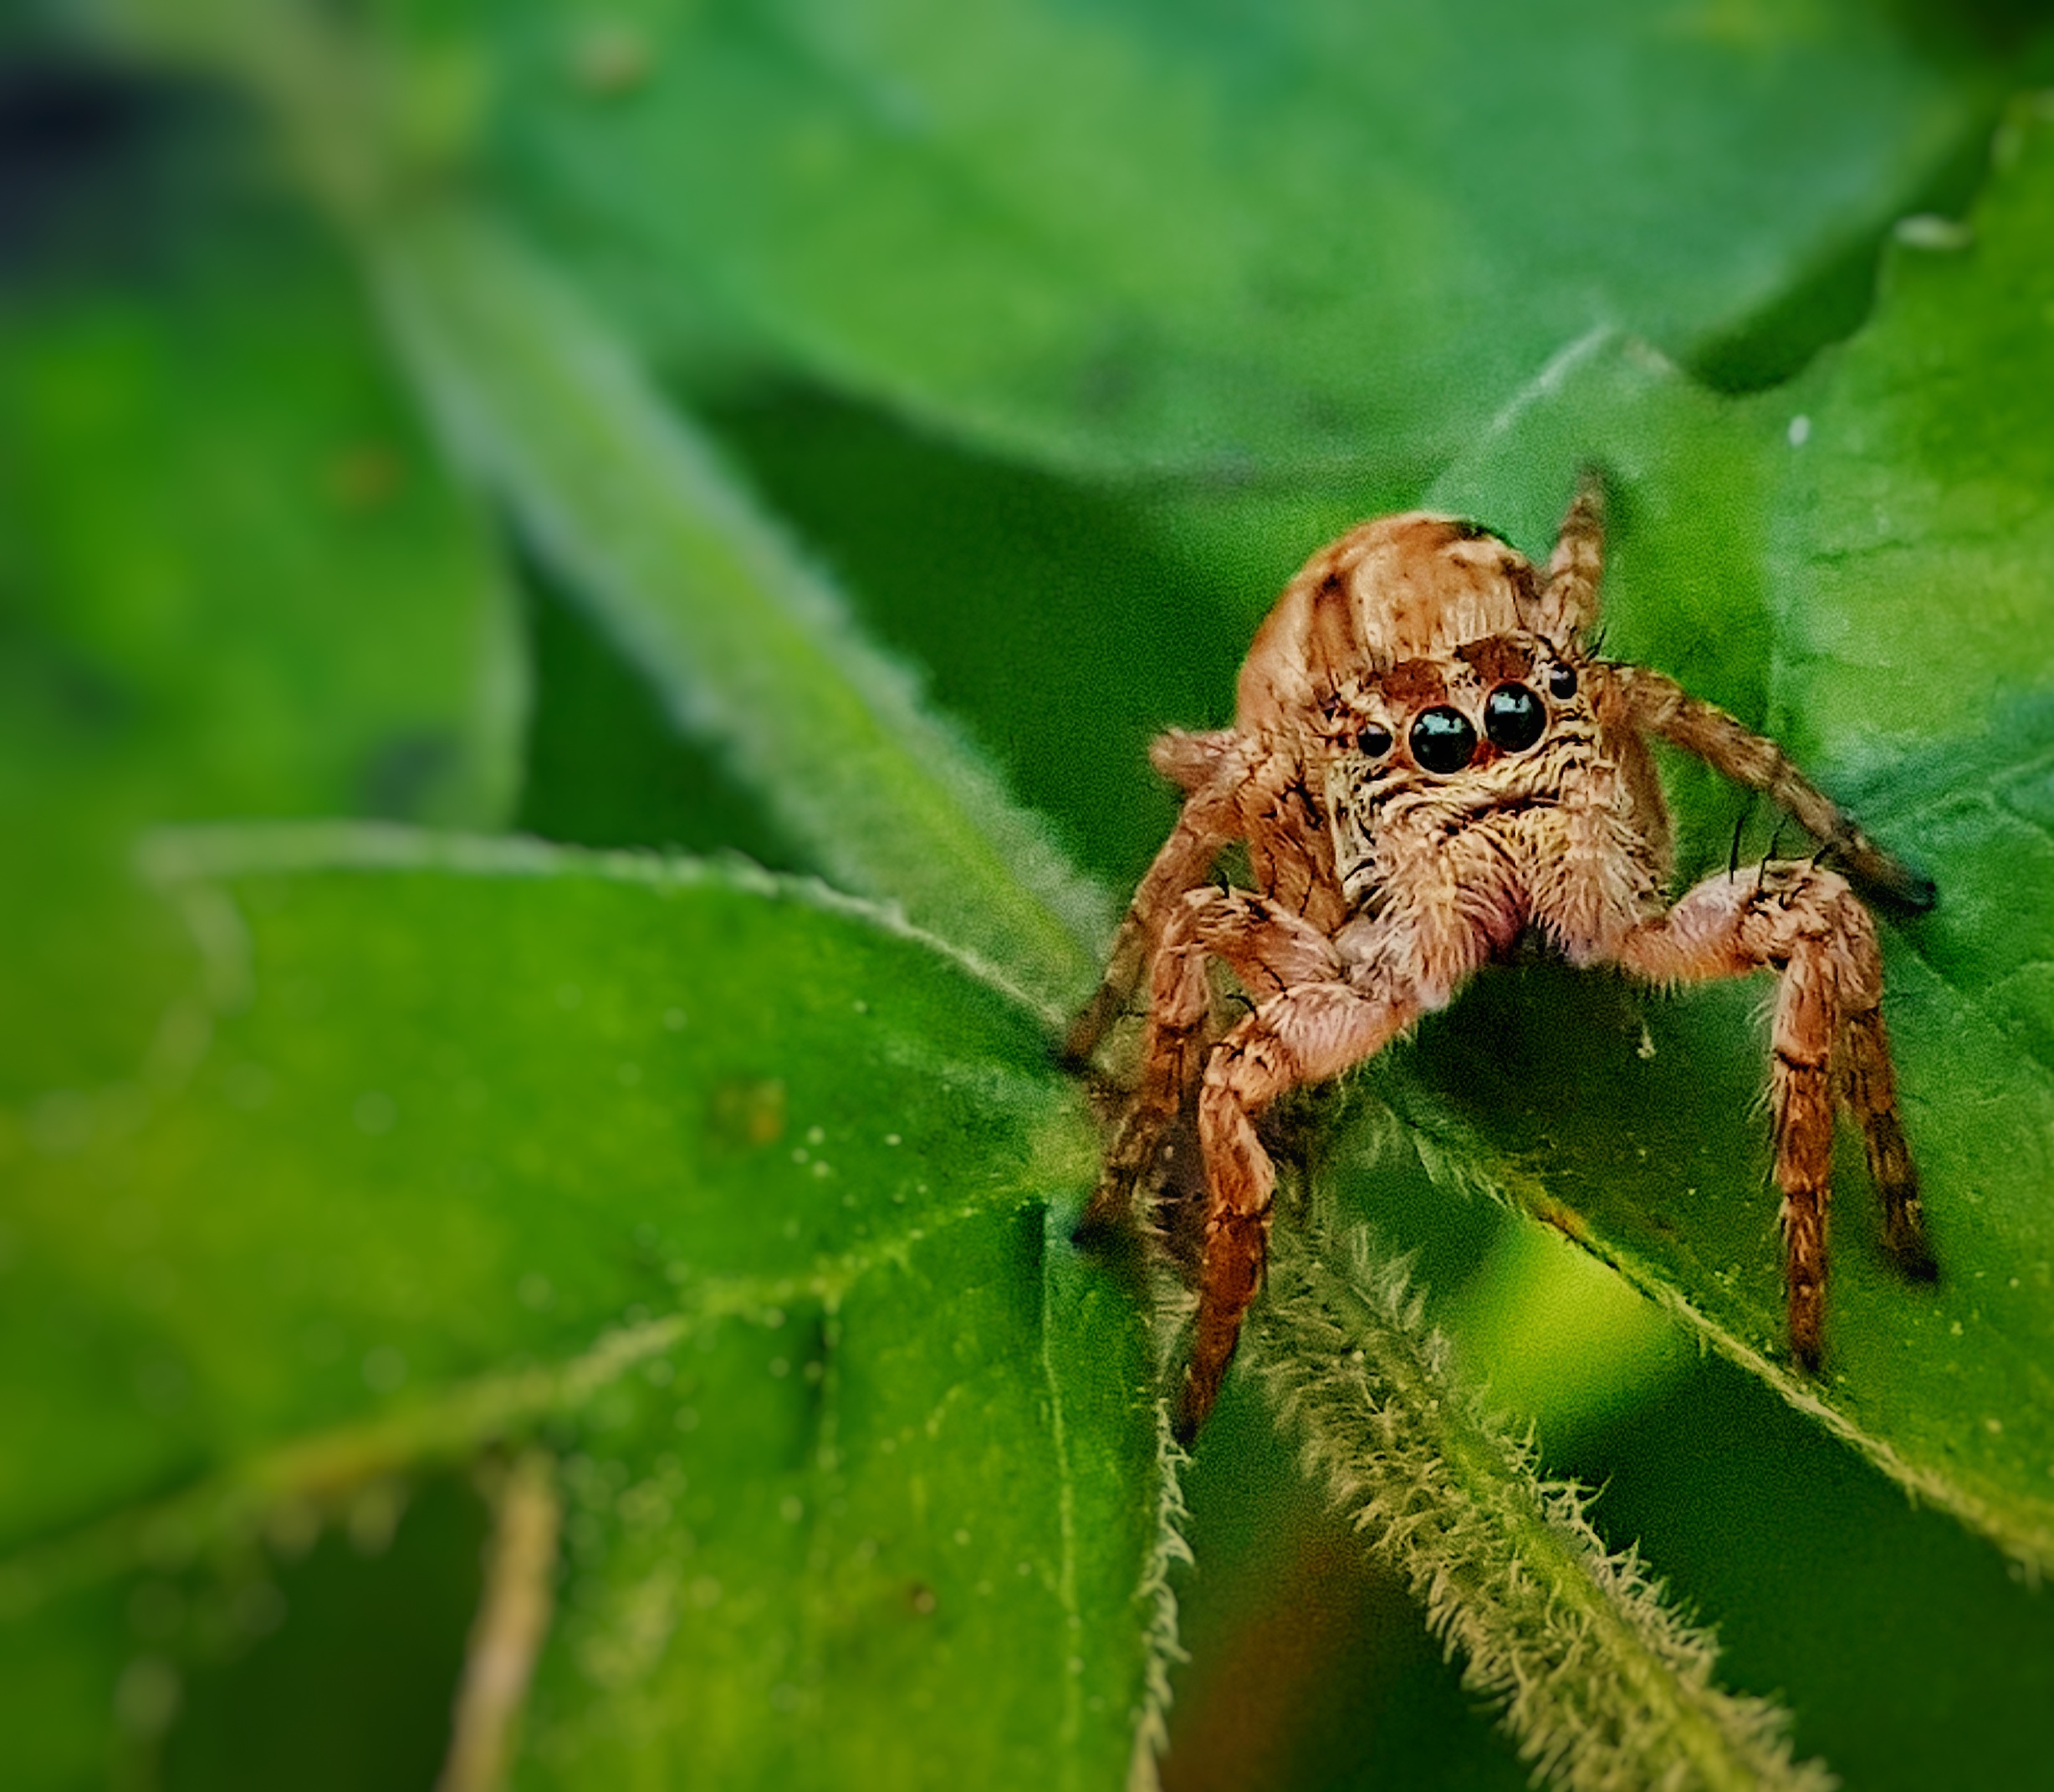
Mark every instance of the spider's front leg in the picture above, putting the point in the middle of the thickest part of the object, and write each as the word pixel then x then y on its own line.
pixel 1656 704
pixel 1269 948
pixel 1305 1035
pixel 1829 1045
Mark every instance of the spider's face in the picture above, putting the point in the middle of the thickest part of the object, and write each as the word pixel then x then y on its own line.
pixel 1489 706
pixel 1501 722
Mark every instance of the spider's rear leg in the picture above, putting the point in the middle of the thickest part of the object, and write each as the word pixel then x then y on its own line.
pixel 1828 1045
pixel 1267 948
pixel 1306 1035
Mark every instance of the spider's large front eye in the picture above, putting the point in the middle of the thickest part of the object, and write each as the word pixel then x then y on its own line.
pixel 1514 717
pixel 1443 740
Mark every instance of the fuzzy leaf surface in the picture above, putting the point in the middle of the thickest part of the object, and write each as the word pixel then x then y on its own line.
pixel 745 643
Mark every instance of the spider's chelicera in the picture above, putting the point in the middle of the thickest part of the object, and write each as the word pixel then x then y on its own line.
pixel 1428 763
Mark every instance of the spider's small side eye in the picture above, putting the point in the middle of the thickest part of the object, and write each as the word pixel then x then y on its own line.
pixel 1374 740
pixel 1443 740
pixel 1514 717
pixel 1562 683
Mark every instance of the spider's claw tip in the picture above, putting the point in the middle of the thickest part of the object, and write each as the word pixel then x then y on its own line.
pixel 1194 1406
pixel 1918 893
pixel 1916 1261
pixel 1895 883
pixel 1093 1229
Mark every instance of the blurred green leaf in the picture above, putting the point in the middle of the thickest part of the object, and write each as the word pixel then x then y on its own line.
pixel 742 1195
pixel 233 581
pixel 606 765
pixel 331 1657
pixel 748 648
pixel 1152 236
pixel 1074 622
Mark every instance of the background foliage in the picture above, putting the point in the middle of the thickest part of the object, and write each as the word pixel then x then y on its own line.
pixel 500 448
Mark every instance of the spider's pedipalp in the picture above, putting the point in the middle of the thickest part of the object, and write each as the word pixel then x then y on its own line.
pixel 1192 761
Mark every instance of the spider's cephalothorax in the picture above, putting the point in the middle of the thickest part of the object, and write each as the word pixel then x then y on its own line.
pixel 1427 762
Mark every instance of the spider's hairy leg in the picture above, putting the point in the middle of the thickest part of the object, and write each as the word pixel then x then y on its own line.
pixel 1659 706
pixel 1267 948
pixel 1809 926
pixel 1290 848
pixel 1210 819
pixel 1307 1034
pixel 1869 1087
pixel 1569 599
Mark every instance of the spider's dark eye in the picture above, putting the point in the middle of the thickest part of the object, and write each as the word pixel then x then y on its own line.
pixel 1442 739
pixel 1374 740
pixel 1514 717
pixel 1562 683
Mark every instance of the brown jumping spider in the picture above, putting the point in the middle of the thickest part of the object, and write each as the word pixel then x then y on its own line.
pixel 1428 763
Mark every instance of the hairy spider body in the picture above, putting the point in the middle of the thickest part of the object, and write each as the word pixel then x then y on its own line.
pixel 1428 763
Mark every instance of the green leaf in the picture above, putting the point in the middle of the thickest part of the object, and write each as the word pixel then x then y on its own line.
pixel 605 763
pixel 1867 580
pixel 750 1202
pixel 1144 237
pixel 747 645
pixel 1915 608
pixel 233 581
